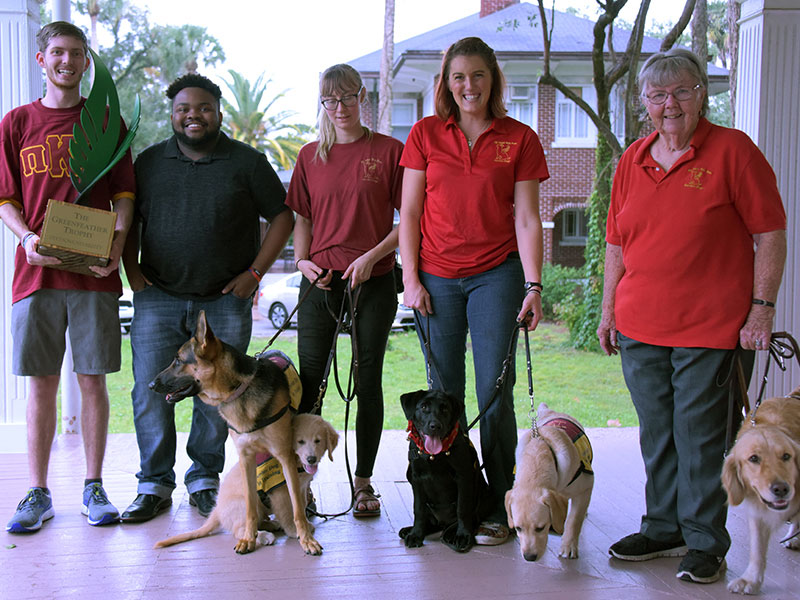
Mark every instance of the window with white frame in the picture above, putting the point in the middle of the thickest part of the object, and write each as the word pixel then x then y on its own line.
pixel 574 230
pixel 617 110
pixel 404 115
pixel 522 103
pixel 573 126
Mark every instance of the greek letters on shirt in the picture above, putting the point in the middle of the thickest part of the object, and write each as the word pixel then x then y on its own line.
pixel 52 156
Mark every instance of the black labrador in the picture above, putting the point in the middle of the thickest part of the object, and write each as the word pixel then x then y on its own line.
pixel 450 493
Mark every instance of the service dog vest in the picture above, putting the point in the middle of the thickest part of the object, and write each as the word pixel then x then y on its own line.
pixel 578 436
pixel 269 473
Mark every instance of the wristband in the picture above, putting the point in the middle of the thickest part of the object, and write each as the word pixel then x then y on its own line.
pixel 763 302
pixel 533 291
pixel 255 273
pixel 297 263
pixel 26 237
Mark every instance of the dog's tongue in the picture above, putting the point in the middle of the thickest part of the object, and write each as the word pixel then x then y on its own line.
pixel 433 445
pixel 311 469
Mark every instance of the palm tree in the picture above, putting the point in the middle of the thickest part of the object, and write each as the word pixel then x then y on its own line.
pixel 249 123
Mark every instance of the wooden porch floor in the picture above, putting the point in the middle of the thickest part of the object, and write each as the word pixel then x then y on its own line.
pixel 362 558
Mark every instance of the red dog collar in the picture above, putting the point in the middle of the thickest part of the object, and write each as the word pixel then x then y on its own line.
pixel 415 437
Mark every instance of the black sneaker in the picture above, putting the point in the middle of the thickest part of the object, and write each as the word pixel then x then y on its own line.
pixel 701 567
pixel 639 547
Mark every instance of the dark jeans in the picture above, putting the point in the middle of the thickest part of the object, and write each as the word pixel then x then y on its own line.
pixel 682 413
pixel 316 323
pixel 161 324
pixel 486 305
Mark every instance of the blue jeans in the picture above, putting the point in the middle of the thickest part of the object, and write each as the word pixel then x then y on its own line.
pixel 486 305
pixel 161 324
pixel 683 413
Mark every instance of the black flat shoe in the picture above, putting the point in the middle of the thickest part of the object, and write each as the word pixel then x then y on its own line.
pixel 204 500
pixel 144 508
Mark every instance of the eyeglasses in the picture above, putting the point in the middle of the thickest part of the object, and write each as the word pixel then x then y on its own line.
pixel 681 95
pixel 333 103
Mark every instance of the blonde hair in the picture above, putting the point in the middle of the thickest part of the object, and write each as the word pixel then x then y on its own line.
pixel 338 79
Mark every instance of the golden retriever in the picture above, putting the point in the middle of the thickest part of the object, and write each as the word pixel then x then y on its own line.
pixel 313 436
pixel 763 472
pixel 550 472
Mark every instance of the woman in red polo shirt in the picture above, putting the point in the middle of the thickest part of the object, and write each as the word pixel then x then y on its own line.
pixel 683 286
pixel 345 189
pixel 471 244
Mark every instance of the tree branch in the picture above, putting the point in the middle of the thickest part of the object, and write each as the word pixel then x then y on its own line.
pixel 672 37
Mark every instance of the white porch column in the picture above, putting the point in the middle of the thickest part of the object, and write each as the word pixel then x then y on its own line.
pixel 20 83
pixel 767 110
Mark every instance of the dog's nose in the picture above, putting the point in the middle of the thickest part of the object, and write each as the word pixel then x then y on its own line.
pixel 530 557
pixel 779 489
pixel 311 460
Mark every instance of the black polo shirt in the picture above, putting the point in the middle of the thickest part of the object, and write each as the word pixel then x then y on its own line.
pixel 200 219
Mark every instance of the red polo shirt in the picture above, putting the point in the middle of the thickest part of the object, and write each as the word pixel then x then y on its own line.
pixel 686 237
pixel 467 223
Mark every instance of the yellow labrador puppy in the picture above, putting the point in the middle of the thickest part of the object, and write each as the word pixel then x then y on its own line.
pixel 762 471
pixel 552 469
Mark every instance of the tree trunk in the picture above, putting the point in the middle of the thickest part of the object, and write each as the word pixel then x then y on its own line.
pixel 387 60
pixel 700 32
pixel 734 12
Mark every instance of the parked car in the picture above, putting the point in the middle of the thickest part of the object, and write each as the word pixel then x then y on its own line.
pixel 126 310
pixel 277 300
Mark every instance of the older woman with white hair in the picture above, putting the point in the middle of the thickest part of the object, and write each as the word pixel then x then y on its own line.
pixel 696 247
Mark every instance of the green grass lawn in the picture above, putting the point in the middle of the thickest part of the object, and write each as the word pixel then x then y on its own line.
pixel 587 385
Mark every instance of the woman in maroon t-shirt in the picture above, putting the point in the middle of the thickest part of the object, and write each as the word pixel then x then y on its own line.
pixel 345 189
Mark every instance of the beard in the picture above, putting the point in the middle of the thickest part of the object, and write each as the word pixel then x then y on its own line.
pixel 208 138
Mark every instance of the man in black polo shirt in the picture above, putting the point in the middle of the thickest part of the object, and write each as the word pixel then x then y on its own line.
pixel 197 211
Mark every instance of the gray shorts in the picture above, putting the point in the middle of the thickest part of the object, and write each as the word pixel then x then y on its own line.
pixel 39 322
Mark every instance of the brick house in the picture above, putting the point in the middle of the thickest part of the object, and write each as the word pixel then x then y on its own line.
pixel 567 134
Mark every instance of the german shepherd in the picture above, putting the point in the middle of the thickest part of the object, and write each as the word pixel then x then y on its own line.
pixel 253 397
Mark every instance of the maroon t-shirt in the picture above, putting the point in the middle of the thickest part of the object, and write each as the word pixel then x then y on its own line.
pixel 34 167
pixel 350 199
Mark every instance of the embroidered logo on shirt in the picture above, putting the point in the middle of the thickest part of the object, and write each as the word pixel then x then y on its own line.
pixel 696 178
pixel 371 169
pixel 503 151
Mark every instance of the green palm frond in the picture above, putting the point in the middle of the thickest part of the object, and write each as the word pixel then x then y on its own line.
pixel 95 148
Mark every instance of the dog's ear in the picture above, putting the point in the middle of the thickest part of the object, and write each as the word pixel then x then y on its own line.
pixel 332 439
pixel 509 495
pixel 207 341
pixel 732 481
pixel 456 406
pixel 409 402
pixel 558 510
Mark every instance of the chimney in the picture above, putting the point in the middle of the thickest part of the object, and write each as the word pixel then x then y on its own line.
pixel 491 6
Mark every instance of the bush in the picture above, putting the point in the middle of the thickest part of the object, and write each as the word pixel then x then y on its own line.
pixel 562 286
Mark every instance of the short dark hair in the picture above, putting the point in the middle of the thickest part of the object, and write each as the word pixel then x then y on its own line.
pixel 194 80
pixel 445 105
pixel 57 28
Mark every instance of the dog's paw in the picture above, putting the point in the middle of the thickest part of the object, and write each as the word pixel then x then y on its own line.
pixel 792 544
pixel 411 538
pixel 458 539
pixel 568 550
pixel 311 546
pixel 743 586
pixel 265 538
pixel 244 546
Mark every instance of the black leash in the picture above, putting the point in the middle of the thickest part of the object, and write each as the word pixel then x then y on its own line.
pixel 779 351
pixel 288 320
pixel 350 299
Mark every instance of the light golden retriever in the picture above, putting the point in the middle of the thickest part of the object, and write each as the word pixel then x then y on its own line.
pixel 550 472
pixel 313 436
pixel 763 472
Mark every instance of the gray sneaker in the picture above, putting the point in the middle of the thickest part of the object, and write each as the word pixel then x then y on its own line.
pixel 96 507
pixel 32 511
